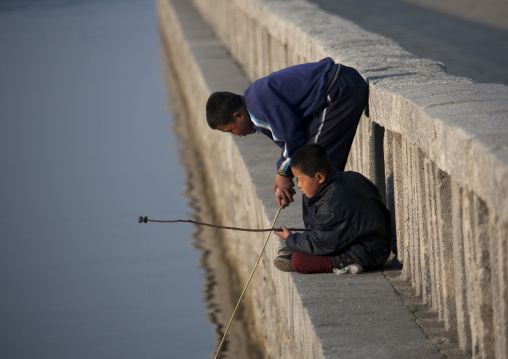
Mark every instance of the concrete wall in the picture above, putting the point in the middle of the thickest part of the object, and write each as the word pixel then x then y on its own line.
pixel 237 200
pixel 435 144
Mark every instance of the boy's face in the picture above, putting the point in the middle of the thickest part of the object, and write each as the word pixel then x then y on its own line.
pixel 309 185
pixel 241 125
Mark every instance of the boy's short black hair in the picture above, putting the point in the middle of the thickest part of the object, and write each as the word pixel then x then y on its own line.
pixel 220 108
pixel 311 159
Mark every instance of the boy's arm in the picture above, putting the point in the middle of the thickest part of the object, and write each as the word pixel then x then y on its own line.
pixel 308 242
pixel 283 233
pixel 331 235
pixel 288 132
pixel 284 191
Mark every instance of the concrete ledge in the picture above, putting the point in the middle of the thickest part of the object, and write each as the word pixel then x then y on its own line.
pixel 437 144
pixel 290 315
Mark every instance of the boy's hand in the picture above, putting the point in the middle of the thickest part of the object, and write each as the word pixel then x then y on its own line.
pixel 284 233
pixel 284 191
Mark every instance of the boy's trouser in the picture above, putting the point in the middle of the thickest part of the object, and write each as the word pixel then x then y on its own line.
pixel 335 127
pixel 309 263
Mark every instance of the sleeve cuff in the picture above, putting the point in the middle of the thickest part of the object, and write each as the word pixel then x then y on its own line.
pixel 285 174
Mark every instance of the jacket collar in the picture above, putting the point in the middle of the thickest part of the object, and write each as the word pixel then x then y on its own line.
pixel 332 177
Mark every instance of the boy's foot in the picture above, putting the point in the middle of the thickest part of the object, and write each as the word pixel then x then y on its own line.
pixel 284 251
pixel 283 263
pixel 340 271
pixel 353 269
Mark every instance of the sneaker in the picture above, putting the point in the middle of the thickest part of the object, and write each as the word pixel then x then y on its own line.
pixel 283 263
pixel 340 271
pixel 284 251
pixel 354 268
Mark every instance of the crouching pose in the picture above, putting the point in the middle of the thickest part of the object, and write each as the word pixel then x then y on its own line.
pixel 319 102
pixel 351 223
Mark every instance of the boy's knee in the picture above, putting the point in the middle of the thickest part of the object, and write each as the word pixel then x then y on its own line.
pixel 298 263
pixel 307 263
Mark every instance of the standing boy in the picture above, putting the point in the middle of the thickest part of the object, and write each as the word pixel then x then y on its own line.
pixel 319 102
pixel 352 224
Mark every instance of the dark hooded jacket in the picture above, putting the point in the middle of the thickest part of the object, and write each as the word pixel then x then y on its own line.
pixel 352 224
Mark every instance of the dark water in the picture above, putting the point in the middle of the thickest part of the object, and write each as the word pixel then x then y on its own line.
pixel 85 148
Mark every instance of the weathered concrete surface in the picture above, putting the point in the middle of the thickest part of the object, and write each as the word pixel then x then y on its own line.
pixel 468 36
pixel 292 316
pixel 436 144
pixel 492 13
pixel 441 141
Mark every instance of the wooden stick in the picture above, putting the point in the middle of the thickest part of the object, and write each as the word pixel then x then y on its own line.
pixel 245 288
pixel 145 220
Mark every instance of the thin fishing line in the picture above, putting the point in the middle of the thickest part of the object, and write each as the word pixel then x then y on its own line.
pixel 146 220
pixel 246 285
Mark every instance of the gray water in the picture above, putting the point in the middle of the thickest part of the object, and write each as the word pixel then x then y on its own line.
pixel 85 148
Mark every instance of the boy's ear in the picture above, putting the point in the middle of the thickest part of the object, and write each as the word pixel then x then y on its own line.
pixel 320 177
pixel 240 113
pixel 236 115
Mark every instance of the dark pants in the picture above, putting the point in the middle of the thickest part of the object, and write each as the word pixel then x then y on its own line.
pixel 335 128
pixel 309 263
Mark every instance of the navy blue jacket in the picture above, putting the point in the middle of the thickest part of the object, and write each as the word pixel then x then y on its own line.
pixel 352 224
pixel 280 104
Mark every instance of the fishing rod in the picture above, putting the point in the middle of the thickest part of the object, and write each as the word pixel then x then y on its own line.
pixel 145 219
pixel 245 288
pixel 271 229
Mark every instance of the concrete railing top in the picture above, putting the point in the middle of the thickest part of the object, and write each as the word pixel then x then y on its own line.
pixel 460 124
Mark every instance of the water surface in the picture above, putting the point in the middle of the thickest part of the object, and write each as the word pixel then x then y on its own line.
pixel 86 148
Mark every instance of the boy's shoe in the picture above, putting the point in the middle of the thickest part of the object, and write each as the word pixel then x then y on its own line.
pixel 284 251
pixel 283 263
pixel 354 268
pixel 340 271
